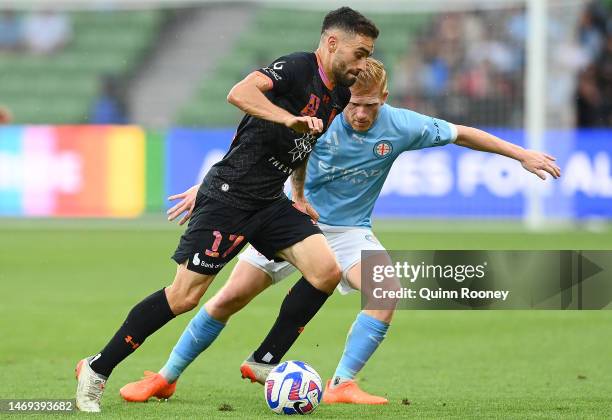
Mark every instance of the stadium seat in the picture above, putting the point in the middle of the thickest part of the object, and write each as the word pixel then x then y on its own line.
pixel 102 43
pixel 258 45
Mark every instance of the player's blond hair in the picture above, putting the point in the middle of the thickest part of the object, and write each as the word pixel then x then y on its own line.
pixel 374 75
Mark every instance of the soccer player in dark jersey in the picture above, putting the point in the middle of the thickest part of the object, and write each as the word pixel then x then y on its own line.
pixel 288 105
pixel 344 180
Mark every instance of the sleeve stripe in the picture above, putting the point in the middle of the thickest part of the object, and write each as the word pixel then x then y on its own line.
pixel 453 130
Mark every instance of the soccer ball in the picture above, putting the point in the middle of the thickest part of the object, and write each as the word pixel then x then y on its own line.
pixel 293 387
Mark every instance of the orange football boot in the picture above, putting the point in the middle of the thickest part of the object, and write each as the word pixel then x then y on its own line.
pixel 349 392
pixel 152 385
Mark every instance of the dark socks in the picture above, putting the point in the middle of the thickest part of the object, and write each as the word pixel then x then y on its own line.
pixel 301 304
pixel 144 319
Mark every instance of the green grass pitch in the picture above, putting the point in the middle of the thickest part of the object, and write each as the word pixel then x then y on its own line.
pixel 67 285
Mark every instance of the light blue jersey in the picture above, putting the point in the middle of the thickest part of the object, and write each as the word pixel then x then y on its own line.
pixel 347 168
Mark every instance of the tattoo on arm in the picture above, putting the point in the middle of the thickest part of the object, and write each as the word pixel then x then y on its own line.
pixel 298 177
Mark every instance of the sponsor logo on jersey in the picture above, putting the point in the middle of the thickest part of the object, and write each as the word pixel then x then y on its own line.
pixel 198 262
pixel 276 163
pixel 425 131
pixel 276 66
pixel 438 138
pixel 225 187
pixel 352 175
pixel 303 146
pixel 272 73
pixel 382 149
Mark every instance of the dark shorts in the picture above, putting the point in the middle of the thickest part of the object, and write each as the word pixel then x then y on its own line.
pixel 217 232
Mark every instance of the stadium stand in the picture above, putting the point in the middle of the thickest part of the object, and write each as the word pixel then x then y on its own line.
pixel 593 98
pixel 276 32
pixel 472 56
pixel 60 88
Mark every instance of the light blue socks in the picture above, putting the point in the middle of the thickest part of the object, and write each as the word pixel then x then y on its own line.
pixel 199 334
pixel 363 339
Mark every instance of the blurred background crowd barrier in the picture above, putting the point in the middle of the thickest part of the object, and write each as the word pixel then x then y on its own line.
pixel 123 171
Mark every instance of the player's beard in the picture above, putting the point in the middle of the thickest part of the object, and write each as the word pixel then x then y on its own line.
pixel 341 75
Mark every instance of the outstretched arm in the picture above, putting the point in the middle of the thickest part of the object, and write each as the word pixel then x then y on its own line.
pixel 536 162
pixel 248 96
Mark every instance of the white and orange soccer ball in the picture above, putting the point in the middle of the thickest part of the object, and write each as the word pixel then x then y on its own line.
pixel 293 387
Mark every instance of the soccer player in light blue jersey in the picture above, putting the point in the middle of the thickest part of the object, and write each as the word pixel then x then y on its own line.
pixel 344 177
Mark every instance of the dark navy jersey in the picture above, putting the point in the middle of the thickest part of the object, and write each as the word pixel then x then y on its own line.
pixel 263 154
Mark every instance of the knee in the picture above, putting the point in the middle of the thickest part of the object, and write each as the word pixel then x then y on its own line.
pixel 190 302
pixel 335 273
pixel 226 303
pixel 184 305
pixel 329 277
pixel 384 315
pixel 187 289
pixel 182 301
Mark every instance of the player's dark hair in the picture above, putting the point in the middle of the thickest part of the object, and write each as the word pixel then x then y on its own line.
pixel 351 21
